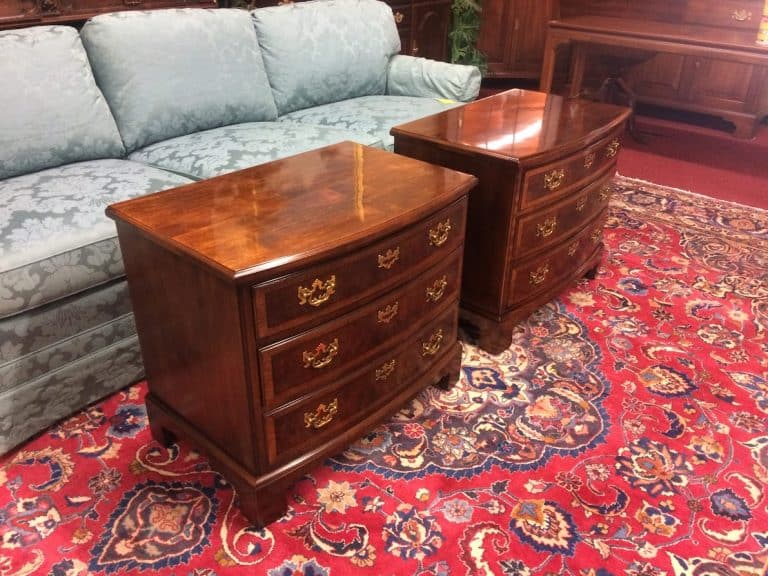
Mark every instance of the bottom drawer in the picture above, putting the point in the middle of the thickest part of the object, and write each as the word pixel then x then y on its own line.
pixel 302 426
pixel 542 272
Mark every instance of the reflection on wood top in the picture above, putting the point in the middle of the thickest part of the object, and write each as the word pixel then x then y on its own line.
pixel 293 210
pixel 518 125
pixel 700 35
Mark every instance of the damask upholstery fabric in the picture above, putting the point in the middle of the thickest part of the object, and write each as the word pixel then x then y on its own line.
pixel 326 50
pixel 409 76
pixel 374 115
pixel 54 237
pixel 167 73
pixel 52 111
pixel 49 337
pixel 221 150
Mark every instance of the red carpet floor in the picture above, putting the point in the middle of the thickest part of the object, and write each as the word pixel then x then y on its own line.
pixel 690 157
pixel 623 433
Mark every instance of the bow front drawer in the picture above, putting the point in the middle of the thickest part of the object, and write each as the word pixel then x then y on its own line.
pixel 302 426
pixel 316 358
pixel 544 184
pixel 318 292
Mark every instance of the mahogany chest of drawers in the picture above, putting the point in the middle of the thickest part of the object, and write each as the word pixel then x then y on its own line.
pixel 285 310
pixel 535 220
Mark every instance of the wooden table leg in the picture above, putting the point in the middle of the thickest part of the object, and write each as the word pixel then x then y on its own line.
pixel 578 65
pixel 553 42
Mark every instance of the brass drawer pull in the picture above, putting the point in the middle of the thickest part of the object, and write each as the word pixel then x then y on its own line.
pixel 385 315
pixel 581 203
pixel 325 291
pixel 554 179
pixel 546 228
pixel 589 159
pixel 436 291
pixel 386 370
pixel 322 356
pixel 439 234
pixel 596 235
pixel 741 15
pixel 572 248
pixel 322 415
pixel 605 192
pixel 431 346
pixel 399 16
pixel 613 148
pixel 540 275
pixel 388 259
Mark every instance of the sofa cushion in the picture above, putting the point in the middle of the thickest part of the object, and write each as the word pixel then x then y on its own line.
pixel 53 112
pixel 326 50
pixel 55 239
pixel 221 150
pixel 167 73
pixel 374 115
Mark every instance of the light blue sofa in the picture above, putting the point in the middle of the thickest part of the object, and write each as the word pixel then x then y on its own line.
pixel 138 102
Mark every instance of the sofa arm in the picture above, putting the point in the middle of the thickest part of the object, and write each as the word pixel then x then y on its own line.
pixel 413 76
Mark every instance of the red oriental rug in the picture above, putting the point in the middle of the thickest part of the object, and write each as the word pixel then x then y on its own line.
pixel 624 432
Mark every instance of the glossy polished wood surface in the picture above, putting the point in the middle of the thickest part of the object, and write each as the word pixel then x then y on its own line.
pixel 534 223
pixel 286 310
pixel 517 125
pixel 695 55
pixel 270 217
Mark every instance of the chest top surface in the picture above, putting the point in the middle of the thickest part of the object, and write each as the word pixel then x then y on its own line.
pixel 519 125
pixel 295 211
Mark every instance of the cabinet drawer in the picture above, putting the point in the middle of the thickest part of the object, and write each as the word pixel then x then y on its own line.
pixel 552 224
pixel 299 365
pixel 539 273
pixel 302 426
pixel 549 182
pixel 740 14
pixel 327 289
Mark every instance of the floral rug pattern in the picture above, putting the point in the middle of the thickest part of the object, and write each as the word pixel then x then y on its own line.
pixel 624 432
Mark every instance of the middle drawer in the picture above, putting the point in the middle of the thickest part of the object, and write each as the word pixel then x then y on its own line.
pixel 293 367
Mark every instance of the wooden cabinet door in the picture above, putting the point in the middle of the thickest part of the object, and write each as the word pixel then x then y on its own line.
pixel 512 35
pixel 429 30
pixel 662 77
pixel 719 84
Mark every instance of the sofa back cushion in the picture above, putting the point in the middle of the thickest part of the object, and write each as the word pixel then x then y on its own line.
pixel 325 51
pixel 51 111
pixel 169 73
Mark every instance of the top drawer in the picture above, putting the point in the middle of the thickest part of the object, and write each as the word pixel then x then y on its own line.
pixel 546 183
pixel 316 293
pixel 740 14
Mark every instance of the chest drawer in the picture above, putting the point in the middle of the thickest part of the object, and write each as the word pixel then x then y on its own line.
pixel 539 274
pixel 545 184
pixel 740 14
pixel 320 291
pixel 301 426
pixel 314 359
pixel 550 225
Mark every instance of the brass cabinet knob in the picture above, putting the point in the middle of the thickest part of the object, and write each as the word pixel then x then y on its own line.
pixel 546 228
pixel 318 293
pixel 436 291
pixel 399 16
pixel 388 259
pixel 386 314
pixel 431 346
pixel 539 275
pixel 322 356
pixel 386 369
pixel 554 179
pixel 439 234
pixel 322 415
pixel 741 15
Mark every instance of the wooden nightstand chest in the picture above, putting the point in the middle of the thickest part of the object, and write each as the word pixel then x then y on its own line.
pixel 535 220
pixel 285 310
